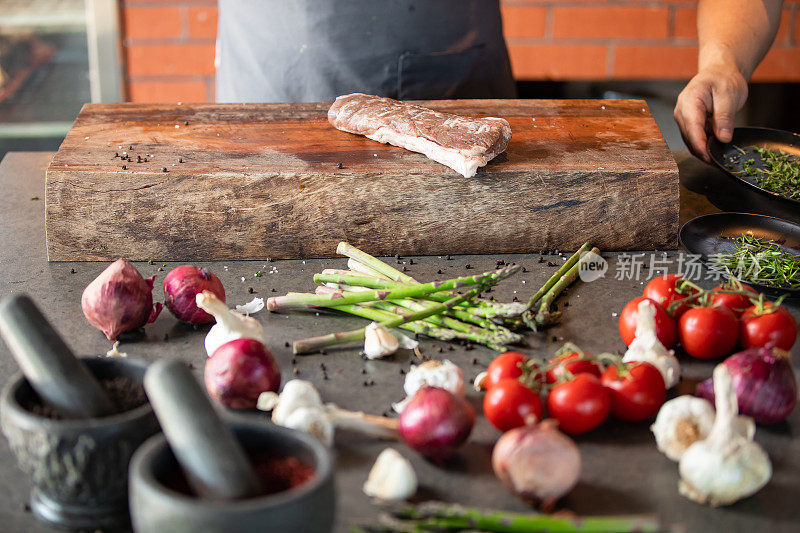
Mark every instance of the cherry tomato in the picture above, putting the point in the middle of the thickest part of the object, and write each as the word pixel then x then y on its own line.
pixel 666 330
pixel 708 332
pixel 662 290
pixel 576 367
pixel 636 395
pixel 777 327
pixel 506 365
pixel 580 404
pixel 735 302
pixel 509 404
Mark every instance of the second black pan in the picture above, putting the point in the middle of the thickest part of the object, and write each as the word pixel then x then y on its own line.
pixel 712 234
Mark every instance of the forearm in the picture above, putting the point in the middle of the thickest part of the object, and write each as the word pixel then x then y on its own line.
pixel 736 32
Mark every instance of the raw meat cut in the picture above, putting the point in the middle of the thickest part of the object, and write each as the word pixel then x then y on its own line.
pixel 461 143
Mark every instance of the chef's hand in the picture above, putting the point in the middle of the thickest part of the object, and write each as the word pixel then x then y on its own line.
pixel 708 105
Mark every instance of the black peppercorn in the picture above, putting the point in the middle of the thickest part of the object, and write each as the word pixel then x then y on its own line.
pixel 338 165
pixel 180 160
pixel 186 123
pixel 163 169
pixel 250 290
pixel 363 370
pixel 124 167
pixel 286 344
pixel 410 261
pixel 71 270
pixel 402 372
pixel 439 271
pixel 468 266
pixel 296 371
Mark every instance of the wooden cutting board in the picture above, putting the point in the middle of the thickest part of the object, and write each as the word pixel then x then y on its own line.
pixel 232 181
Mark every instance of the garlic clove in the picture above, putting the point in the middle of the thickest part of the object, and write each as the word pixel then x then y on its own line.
pixel 680 423
pixel 391 478
pixel 379 341
pixel 253 306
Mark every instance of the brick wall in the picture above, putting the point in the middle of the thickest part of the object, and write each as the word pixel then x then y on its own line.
pixel 169 44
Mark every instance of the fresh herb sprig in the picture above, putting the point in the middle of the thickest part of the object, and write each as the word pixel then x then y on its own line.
pixel 761 261
pixel 781 172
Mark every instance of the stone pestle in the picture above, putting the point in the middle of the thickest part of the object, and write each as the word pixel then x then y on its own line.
pixel 61 380
pixel 213 460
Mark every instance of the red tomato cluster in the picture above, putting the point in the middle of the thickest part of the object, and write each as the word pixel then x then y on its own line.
pixel 580 393
pixel 713 330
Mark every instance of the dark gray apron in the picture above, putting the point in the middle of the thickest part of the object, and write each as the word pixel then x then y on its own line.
pixel 316 50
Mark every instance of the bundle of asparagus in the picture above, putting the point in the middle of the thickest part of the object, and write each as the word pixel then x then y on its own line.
pixel 376 291
pixel 438 516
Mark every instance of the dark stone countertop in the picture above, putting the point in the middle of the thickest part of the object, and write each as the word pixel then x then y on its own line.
pixel 623 473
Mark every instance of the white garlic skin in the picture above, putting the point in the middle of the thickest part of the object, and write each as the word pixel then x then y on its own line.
pixel 727 466
pixel 646 347
pixel 379 341
pixel 391 478
pixel 443 374
pixel 680 423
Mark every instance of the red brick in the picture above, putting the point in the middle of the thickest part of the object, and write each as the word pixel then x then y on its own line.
pixel 797 27
pixel 152 22
pixel 170 59
pixel 167 91
pixel 782 37
pixel 558 61
pixel 623 22
pixel 685 23
pixel 780 64
pixel 655 62
pixel 202 21
pixel 523 21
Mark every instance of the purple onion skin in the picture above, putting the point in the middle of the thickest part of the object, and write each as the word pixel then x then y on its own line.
pixel 119 300
pixel 239 371
pixel 182 285
pixel 764 382
pixel 436 422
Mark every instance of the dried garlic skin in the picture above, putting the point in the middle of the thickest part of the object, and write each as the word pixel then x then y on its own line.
pixel 680 423
pixel 727 466
pixel 443 374
pixel 379 341
pixel 391 478
pixel 647 348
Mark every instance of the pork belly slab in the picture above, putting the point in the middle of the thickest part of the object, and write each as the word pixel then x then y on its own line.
pixel 461 143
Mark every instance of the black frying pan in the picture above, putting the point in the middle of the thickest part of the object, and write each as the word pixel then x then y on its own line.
pixel 711 234
pixel 731 160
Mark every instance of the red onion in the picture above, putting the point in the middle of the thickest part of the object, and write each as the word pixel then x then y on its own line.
pixel 538 463
pixel 435 422
pixel 181 287
pixel 119 300
pixel 764 382
pixel 239 371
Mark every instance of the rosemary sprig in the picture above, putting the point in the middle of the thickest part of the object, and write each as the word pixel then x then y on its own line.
pixel 781 172
pixel 761 261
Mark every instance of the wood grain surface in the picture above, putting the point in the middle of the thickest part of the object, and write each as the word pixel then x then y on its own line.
pixel 262 180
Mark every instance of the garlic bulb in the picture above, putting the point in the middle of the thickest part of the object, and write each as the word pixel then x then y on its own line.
pixel 300 407
pixel 680 423
pixel 727 466
pixel 312 420
pixel 647 348
pixel 379 341
pixel 443 374
pixel 295 394
pixel 391 478
pixel 230 324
